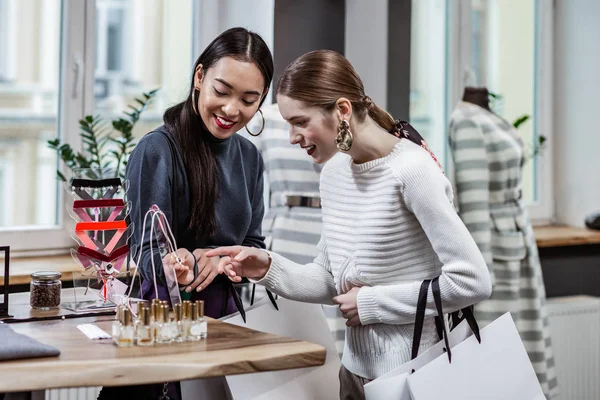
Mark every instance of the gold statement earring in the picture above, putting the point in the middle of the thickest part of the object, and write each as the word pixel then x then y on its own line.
pixel 343 140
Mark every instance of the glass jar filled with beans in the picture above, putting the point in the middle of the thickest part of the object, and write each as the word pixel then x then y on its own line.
pixel 45 290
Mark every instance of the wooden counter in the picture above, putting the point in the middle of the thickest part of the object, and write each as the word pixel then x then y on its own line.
pixel 228 350
pixel 559 235
pixel 22 268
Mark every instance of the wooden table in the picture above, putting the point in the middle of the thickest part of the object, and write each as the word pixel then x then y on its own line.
pixel 560 235
pixel 228 350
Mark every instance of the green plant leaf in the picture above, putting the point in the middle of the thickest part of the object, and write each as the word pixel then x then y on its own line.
pixel 61 176
pixel 521 120
pixel 96 134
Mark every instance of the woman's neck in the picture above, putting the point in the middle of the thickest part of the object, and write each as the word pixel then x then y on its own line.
pixel 370 142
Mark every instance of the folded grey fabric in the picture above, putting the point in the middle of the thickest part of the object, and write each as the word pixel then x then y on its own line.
pixel 14 346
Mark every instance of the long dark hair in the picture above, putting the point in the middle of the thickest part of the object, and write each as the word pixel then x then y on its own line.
pixel 193 137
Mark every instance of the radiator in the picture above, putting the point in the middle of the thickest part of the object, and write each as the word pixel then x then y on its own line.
pixel 86 393
pixel 575 329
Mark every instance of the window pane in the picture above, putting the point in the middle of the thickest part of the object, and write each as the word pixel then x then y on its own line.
pixel 29 111
pixel 428 73
pixel 142 45
pixel 503 59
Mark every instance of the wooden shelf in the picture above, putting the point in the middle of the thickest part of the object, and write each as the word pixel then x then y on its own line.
pixel 560 235
pixel 22 268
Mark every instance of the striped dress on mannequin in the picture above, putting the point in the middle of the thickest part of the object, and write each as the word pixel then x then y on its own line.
pixel 488 159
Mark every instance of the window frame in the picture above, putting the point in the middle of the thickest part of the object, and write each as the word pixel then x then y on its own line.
pixel 7 40
pixel 77 98
pixel 74 85
pixel 542 211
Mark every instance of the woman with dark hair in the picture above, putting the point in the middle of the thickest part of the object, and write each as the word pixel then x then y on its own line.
pixel 388 223
pixel 219 174
pixel 204 177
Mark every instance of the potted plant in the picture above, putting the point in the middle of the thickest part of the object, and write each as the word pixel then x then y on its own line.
pixel 96 135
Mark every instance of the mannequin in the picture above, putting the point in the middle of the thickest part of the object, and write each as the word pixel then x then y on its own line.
pixel 479 96
pixel 488 156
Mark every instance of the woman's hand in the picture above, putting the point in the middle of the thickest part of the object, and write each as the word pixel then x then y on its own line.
pixel 208 269
pixel 240 261
pixel 182 262
pixel 349 306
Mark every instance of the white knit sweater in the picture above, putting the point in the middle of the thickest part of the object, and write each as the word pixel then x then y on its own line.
pixel 388 224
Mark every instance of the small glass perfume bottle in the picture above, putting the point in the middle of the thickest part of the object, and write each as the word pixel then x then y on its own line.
pixel 155 317
pixel 178 322
pixel 116 325
pixel 126 335
pixel 144 335
pixel 167 330
pixel 187 317
pixel 199 326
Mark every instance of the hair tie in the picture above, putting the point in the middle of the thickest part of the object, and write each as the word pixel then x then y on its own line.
pixel 397 128
pixel 368 102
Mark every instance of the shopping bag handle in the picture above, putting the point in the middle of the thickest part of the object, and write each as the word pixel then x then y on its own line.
pixel 467 313
pixel 420 318
pixel 271 297
pixel 437 299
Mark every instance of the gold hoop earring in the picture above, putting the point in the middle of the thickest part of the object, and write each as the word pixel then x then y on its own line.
pixel 344 138
pixel 194 105
pixel 261 127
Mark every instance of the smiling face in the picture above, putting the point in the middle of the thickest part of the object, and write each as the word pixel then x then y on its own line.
pixel 311 128
pixel 230 93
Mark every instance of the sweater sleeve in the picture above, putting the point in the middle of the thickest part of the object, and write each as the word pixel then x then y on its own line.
pixel 464 278
pixel 310 283
pixel 254 237
pixel 150 179
pixel 471 174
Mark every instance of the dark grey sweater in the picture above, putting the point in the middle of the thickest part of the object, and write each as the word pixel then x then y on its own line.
pixel 239 208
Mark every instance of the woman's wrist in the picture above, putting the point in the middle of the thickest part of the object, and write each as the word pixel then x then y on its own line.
pixel 266 265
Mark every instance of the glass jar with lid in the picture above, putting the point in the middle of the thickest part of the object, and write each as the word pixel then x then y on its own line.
pixel 45 290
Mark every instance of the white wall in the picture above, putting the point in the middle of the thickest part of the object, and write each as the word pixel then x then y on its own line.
pixel 576 109
pixel 366 45
pixel 216 16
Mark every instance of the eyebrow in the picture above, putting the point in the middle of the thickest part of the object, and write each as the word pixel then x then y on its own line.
pixel 294 118
pixel 230 86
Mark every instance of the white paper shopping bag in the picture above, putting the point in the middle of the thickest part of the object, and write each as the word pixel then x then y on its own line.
pixel 394 386
pixel 498 368
pixel 301 321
